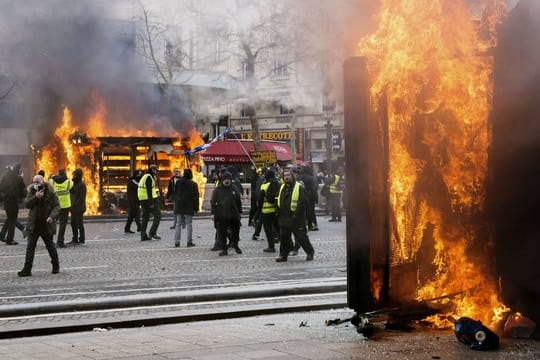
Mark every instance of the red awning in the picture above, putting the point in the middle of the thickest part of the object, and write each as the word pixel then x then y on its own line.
pixel 235 151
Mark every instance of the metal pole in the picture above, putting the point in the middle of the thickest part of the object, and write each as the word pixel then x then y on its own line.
pixel 293 138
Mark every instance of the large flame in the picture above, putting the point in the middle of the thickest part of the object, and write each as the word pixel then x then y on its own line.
pixel 69 152
pixel 427 61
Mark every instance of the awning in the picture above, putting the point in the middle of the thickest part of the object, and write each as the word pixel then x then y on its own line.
pixel 234 151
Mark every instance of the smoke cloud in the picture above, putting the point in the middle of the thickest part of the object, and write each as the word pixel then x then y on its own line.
pixel 64 52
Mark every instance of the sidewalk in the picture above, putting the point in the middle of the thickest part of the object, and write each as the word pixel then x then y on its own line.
pixel 301 335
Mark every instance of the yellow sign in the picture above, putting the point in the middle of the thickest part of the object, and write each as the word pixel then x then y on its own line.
pixel 264 158
pixel 267 135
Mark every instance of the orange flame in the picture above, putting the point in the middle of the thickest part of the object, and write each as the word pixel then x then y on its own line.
pixel 427 62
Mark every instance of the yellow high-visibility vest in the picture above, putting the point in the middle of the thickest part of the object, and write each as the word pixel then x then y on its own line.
pixel 142 194
pixel 334 186
pixel 294 198
pixel 62 191
pixel 268 207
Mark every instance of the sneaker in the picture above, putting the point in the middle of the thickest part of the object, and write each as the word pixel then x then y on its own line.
pixel 12 242
pixel 56 269
pixel 270 250
pixel 129 232
pixel 176 244
pixel 190 244
pixel 223 253
pixel 156 237
pixel 172 227
pixel 294 252
pixel 237 249
pixel 281 259
pixel 309 257
pixel 24 273
pixel 215 248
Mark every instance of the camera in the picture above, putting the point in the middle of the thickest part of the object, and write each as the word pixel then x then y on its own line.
pixel 38 187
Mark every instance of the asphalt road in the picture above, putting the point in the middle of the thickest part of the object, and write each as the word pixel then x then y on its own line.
pixel 116 264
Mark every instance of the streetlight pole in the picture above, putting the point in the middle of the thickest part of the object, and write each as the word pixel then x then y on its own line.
pixel 328 110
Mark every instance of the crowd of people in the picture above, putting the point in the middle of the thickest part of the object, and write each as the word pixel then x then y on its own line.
pixel 282 203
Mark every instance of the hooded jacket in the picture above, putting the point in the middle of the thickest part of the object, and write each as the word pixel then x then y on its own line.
pixel 41 209
pixel 78 193
pixel 186 195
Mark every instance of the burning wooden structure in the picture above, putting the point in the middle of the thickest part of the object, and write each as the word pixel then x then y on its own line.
pixel 417 125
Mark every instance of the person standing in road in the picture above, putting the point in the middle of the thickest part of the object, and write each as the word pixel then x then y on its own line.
pixel 44 209
pixel 13 189
pixel 226 209
pixel 78 207
pixel 133 203
pixel 149 198
pixel 312 195
pixel 62 185
pixel 186 204
pixel 335 189
pixel 267 201
pixel 291 205
pixel 170 192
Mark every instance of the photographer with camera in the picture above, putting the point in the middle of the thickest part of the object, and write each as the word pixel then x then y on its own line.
pixel 44 209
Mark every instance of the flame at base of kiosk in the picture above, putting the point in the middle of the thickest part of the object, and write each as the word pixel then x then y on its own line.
pixel 431 81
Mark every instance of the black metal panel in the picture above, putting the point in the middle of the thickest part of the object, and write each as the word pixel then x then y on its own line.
pixel 356 101
pixel 514 188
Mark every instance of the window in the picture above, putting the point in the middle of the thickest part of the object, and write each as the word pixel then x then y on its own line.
pixel 280 69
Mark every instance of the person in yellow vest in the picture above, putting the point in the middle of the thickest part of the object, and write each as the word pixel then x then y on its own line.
pixel 267 204
pixel 335 183
pixel 148 195
pixel 62 186
pixel 291 210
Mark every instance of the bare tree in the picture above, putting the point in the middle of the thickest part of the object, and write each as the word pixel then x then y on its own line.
pixel 5 93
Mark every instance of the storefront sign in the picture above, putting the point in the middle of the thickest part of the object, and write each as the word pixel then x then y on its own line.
pixel 264 158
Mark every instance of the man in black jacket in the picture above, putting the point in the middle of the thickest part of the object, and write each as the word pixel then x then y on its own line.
pixel 14 190
pixel 226 207
pixel 44 210
pixel 291 204
pixel 78 207
pixel 186 204
pixel 312 195
pixel 134 207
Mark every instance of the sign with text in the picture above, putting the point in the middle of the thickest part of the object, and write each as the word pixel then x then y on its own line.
pixel 264 158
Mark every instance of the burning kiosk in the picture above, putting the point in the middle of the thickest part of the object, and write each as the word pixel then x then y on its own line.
pixel 417 108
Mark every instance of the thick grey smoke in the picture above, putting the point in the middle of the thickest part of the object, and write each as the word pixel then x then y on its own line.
pixel 64 52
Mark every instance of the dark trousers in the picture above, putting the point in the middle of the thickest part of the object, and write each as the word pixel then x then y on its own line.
pixel 335 205
pixel 134 213
pixel 258 224
pixel 253 212
pixel 156 213
pixel 31 247
pixel 77 226
pixel 231 225
pixel 62 221
pixel 301 237
pixel 12 211
pixel 271 228
pixel 310 215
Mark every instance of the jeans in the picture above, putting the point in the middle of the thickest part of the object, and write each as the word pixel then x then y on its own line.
pixel 183 221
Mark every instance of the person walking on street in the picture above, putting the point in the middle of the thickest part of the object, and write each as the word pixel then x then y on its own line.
pixel 134 213
pixel 291 204
pixel 14 190
pixel 312 195
pixel 62 185
pixel 226 209
pixel 170 192
pixel 78 208
pixel 44 209
pixel 186 204
pixel 267 201
pixel 149 197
